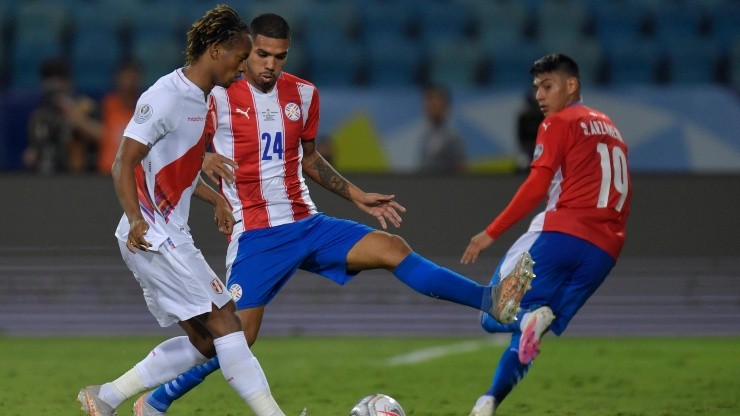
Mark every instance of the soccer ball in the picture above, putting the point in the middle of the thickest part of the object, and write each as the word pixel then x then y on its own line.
pixel 377 405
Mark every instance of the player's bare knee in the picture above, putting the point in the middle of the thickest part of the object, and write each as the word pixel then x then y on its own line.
pixel 399 249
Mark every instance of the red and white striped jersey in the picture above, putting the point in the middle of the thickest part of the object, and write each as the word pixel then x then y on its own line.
pixel 590 194
pixel 171 118
pixel 263 132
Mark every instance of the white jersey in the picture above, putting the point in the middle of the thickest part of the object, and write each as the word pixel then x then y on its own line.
pixel 263 132
pixel 170 118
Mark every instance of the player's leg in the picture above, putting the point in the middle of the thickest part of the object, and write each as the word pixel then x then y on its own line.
pixel 239 366
pixel 382 250
pixel 160 399
pixel 165 362
pixel 509 372
pixel 161 277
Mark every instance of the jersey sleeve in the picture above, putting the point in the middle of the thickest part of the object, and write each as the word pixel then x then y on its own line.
pixel 310 129
pixel 551 143
pixel 157 113
pixel 526 198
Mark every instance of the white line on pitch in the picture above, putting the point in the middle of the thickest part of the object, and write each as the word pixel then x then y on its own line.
pixel 431 353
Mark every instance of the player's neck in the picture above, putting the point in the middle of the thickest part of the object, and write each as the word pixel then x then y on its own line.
pixel 198 77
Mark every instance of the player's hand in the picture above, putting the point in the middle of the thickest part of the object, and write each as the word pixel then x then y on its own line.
pixel 382 207
pixel 137 230
pixel 216 166
pixel 479 242
pixel 224 219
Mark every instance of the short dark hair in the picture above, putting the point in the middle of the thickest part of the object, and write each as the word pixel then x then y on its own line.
pixel 555 62
pixel 270 25
pixel 219 25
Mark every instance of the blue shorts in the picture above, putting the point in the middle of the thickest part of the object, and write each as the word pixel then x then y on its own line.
pixel 261 261
pixel 568 271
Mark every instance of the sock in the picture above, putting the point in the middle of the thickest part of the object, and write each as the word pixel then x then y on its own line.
pixel 164 363
pixel 117 391
pixel 243 372
pixel 491 325
pixel 162 398
pixel 509 371
pixel 434 281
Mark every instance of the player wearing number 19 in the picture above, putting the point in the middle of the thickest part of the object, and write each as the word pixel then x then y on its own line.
pixel 581 158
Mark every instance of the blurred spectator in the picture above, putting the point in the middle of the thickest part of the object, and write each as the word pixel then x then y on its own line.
pixel 117 110
pixel 62 131
pixel 442 148
pixel 527 123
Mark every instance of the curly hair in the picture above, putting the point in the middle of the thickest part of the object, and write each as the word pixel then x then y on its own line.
pixel 219 25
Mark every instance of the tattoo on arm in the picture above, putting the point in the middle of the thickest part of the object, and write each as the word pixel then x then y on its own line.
pixel 330 178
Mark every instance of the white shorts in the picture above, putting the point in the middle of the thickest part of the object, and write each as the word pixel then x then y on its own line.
pixel 177 281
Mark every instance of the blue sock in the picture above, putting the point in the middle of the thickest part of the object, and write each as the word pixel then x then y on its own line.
pixel 162 398
pixel 491 325
pixel 509 371
pixel 431 280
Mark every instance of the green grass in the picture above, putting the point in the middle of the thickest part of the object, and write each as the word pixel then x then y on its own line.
pixel 573 376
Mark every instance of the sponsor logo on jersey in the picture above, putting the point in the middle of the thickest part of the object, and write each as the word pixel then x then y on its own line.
pixel 236 292
pixel 537 152
pixel 292 111
pixel 196 118
pixel 245 113
pixel 545 125
pixel 143 113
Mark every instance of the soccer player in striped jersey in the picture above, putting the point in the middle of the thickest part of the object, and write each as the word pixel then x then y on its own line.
pixel 266 126
pixel 580 162
pixel 155 173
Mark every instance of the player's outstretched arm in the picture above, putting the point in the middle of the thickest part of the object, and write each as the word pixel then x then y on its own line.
pixel 383 207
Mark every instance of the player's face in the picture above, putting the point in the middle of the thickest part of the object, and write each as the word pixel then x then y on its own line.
pixel 266 61
pixel 554 91
pixel 231 60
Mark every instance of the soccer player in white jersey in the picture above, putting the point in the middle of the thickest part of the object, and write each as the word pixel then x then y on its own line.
pixel 156 171
pixel 580 162
pixel 265 132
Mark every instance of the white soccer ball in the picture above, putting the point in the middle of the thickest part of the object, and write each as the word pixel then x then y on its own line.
pixel 377 405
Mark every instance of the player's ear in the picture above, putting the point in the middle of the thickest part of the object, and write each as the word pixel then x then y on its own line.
pixel 572 84
pixel 214 50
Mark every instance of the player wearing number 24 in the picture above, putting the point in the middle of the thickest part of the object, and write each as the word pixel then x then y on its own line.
pixel 580 159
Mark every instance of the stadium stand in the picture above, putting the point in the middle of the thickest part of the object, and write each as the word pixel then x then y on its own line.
pixel 619 41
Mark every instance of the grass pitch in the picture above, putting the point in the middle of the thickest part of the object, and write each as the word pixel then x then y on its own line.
pixel 436 376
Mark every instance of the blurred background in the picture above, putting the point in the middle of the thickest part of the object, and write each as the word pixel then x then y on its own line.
pixel 666 71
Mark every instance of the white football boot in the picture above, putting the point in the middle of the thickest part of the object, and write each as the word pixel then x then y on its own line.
pixel 533 325
pixel 93 405
pixel 484 406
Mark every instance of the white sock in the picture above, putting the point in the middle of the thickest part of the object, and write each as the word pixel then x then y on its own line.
pixel 117 391
pixel 166 361
pixel 243 372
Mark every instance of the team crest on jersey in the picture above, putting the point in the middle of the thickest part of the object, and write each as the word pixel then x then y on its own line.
pixel 236 292
pixel 537 152
pixel 292 111
pixel 143 113
pixel 217 286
